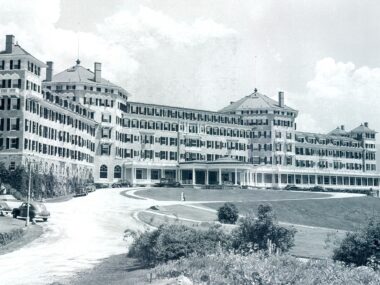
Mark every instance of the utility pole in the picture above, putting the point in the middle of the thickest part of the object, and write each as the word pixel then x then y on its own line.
pixel 28 200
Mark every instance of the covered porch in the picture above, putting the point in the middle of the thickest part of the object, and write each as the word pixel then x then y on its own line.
pixel 224 171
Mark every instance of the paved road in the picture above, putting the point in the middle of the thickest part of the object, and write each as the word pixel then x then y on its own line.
pixel 80 232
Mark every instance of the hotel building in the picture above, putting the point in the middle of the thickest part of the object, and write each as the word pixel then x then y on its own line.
pixel 77 123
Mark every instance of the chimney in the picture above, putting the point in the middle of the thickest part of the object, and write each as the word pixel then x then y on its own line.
pixel 281 99
pixel 366 124
pixel 49 71
pixel 9 43
pixel 231 102
pixel 98 71
pixel 342 127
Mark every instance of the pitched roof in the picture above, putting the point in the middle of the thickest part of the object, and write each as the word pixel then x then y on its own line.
pixel 362 129
pixel 338 132
pixel 18 50
pixel 79 74
pixel 254 101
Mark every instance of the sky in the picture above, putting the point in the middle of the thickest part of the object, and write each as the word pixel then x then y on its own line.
pixel 205 53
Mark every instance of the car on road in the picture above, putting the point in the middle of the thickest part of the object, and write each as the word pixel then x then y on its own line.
pixel 37 210
pixel 121 184
pixel 318 189
pixel 90 187
pixel 4 209
pixel 81 191
pixel 167 182
pixel 291 187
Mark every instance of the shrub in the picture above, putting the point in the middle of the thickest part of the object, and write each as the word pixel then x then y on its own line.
pixel 258 268
pixel 170 242
pixel 262 233
pixel 228 214
pixel 361 247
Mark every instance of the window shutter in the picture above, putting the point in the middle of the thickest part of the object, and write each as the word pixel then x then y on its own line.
pixel 18 124
pixel 7 143
pixel 8 124
pixel 18 103
pixel 1 124
pixel 17 141
pixel 9 104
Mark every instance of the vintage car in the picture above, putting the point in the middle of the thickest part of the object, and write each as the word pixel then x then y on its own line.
pixel 37 210
pixel 4 209
pixel 167 182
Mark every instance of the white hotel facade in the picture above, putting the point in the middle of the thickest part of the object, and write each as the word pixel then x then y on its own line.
pixel 76 123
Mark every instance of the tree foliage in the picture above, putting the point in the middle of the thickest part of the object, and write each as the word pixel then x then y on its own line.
pixel 361 247
pixel 228 214
pixel 263 233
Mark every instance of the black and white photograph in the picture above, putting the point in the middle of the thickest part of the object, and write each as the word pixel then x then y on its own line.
pixel 189 142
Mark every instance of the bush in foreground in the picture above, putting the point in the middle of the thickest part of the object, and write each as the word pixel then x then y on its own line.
pixel 228 214
pixel 263 233
pixel 170 242
pixel 361 247
pixel 260 269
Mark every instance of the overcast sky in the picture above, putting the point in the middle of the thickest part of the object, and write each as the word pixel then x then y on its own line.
pixel 325 55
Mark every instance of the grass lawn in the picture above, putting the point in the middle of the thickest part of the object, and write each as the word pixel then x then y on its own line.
pixel 343 214
pixel 7 224
pixel 174 194
pixel 309 242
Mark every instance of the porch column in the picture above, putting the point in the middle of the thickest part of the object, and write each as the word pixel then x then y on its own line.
pixel 149 174
pixel 193 176
pixel 132 175
pixel 206 182
pixel 236 176
pixel 220 176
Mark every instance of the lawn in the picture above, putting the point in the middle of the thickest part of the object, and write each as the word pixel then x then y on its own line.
pixel 12 228
pixel 309 242
pixel 174 194
pixel 343 214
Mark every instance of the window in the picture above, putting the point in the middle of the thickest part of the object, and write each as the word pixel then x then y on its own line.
pixel 14 143
pixel 155 174
pixel 117 172
pixel 15 103
pixel 103 171
pixel 105 149
pixel 14 124
pixel 12 165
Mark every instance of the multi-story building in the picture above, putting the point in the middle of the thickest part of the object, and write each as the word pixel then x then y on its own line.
pixel 55 133
pixel 77 121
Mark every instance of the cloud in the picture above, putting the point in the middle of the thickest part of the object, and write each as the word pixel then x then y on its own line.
pixel 147 27
pixel 340 94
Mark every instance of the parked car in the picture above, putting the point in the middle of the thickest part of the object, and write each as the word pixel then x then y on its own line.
pixel 121 184
pixel 167 182
pixel 4 209
pixel 37 210
pixel 101 185
pixel 291 187
pixel 90 187
pixel 81 191
pixel 318 189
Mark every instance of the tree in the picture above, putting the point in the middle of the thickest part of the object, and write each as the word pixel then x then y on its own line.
pixel 262 233
pixel 361 247
pixel 228 214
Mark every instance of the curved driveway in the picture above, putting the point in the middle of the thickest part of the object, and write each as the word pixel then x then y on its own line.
pixel 80 233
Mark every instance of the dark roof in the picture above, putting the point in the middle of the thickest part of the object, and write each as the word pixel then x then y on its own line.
pixel 338 132
pixel 362 129
pixel 255 101
pixel 18 50
pixel 79 74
